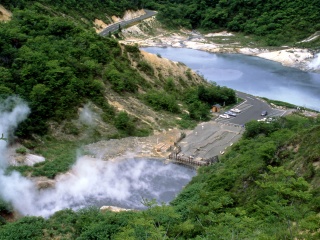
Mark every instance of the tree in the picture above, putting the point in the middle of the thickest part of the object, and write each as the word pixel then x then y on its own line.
pixel 198 111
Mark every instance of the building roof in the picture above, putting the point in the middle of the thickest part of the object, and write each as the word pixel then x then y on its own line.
pixel 217 105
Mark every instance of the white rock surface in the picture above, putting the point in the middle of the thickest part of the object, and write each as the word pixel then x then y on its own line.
pixel 288 57
pixel 32 159
pixel 113 209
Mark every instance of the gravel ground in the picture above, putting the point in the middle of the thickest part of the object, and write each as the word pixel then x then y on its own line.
pixel 152 146
pixel 206 140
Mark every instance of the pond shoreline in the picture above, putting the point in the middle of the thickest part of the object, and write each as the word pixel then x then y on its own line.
pixel 288 56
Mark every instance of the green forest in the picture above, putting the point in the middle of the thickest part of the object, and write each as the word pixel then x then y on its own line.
pixel 275 22
pixel 265 187
pixel 57 65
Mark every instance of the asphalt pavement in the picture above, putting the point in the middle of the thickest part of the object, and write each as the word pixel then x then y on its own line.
pixel 115 26
pixel 213 138
pixel 251 109
pixel 210 139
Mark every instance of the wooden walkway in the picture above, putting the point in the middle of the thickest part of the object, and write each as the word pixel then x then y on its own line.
pixel 191 160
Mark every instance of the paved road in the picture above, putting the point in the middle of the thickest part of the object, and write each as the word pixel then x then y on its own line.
pixel 215 137
pixel 115 26
pixel 251 109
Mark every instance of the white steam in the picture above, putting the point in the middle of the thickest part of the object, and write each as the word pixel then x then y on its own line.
pixel 12 112
pixel 87 116
pixel 96 182
pixel 315 63
pixel 90 181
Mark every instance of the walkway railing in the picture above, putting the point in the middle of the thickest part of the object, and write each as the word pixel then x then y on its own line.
pixel 191 160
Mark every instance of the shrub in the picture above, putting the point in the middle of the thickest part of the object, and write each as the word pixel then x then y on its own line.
pixel 122 82
pixel 21 150
pixel 124 123
pixel 5 207
pixel 199 111
pixel 132 49
pixel 145 67
pixel 162 101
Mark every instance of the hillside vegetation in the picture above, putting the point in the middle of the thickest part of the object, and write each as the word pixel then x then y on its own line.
pixel 274 22
pixel 265 187
pixel 81 11
pixel 59 67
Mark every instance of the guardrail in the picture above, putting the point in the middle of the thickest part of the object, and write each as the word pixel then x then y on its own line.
pixel 115 26
pixel 175 156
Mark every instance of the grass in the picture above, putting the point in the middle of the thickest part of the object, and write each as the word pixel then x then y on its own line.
pixel 59 155
pixel 185 122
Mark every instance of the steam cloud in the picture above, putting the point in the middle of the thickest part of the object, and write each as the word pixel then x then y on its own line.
pixel 90 181
pixel 12 111
pixel 87 116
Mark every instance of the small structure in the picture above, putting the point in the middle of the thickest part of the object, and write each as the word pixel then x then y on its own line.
pixel 191 160
pixel 216 108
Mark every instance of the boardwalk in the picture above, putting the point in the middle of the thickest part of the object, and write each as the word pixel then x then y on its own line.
pixel 191 160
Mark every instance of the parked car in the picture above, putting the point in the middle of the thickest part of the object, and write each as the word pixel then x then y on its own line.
pixel 231 113
pixel 224 116
pixel 262 120
pixel 264 113
pixel 235 110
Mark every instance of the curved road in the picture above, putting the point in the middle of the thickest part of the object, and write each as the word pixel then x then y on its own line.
pixel 115 26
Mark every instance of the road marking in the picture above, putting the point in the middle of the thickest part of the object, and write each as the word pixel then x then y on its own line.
pixel 247 106
pixel 283 113
pixel 241 103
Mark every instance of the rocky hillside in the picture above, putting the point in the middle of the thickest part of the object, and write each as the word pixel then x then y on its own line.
pixel 5 15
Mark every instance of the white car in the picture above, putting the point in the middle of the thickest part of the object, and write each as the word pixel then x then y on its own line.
pixel 236 110
pixel 262 120
pixel 224 116
pixel 230 113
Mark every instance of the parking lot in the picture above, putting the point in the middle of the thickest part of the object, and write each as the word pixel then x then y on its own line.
pixel 210 139
pixel 251 109
pixel 214 137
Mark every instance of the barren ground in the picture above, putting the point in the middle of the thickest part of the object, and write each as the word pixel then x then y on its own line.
pixel 5 15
